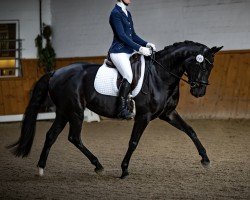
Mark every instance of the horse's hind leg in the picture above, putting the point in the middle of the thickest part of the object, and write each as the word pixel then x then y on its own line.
pixel 175 120
pixel 51 137
pixel 75 138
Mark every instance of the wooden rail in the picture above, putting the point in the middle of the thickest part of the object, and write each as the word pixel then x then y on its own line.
pixel 228 96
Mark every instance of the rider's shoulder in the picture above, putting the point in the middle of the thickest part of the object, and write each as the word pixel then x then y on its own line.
pixel 115 13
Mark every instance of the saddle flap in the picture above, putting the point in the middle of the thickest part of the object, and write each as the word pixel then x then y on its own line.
pixel 106 80
pixel 135 61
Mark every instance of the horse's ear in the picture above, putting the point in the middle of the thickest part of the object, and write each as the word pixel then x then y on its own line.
pixel 214 50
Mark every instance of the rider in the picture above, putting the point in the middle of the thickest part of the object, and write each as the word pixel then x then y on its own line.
pixel 125 42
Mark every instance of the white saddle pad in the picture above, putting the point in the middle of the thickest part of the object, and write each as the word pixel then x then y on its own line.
pixel 106 78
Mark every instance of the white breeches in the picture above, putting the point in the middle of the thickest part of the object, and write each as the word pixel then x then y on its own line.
pixel 122 63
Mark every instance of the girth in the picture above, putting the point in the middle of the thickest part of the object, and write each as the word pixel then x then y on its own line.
pixel 135 61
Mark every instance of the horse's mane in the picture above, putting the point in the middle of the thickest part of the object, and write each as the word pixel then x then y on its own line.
pixel 169 49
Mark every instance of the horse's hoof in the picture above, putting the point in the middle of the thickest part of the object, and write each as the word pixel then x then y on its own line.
pixel 99 170
pixel 205 164
pixel 40 171
pixel 124 174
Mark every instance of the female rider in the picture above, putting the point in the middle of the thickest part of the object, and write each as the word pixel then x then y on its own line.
pixel 125 43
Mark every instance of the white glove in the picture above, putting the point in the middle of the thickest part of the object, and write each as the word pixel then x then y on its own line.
pixel 145 51
pixel 151 45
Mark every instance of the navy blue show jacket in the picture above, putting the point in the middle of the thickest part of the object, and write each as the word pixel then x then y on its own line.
pixel 125 39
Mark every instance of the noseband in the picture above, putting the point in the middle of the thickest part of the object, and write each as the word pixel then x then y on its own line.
pixel 192 83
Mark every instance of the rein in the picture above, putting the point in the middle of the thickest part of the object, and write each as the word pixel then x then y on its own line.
pixel 191 83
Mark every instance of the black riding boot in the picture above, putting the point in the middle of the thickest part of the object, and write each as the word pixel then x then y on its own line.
pixel 123 111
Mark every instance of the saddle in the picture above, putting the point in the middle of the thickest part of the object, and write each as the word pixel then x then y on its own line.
pixel 135 61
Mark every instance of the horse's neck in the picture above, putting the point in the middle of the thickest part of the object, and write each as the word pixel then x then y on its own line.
pixel 170 65
pixel 173 62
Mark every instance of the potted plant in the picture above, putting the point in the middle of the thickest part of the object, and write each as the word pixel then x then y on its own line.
pixel 46 55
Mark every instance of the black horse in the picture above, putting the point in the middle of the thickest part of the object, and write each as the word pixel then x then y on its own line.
pixel 72 90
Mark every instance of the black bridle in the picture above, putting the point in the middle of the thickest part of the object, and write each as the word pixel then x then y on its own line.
pixel 197 83
pixel 192 83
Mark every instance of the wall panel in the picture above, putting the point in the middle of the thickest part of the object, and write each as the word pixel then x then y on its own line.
pixel 228 96
pixel 81 28
pixel 2 110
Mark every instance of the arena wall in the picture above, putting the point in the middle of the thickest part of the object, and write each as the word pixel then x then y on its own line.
pixel 27 12
pixel 82 32
pixel 82 29
pixel 228 96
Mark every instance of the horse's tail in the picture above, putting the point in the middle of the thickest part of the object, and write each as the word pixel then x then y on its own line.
pixel 23 146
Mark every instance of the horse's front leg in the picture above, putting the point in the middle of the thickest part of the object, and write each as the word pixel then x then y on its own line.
pixel 175 120
pixel 140 124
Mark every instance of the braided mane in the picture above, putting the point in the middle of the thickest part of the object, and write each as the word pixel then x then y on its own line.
pixel 169 49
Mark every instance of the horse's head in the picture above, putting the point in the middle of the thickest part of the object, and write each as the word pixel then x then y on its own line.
pixel 198 68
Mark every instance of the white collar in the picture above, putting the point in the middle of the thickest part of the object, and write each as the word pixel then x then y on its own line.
pixel 123 6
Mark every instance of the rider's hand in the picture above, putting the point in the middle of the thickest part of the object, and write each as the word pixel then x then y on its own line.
pixel 145 51
pixel 151 45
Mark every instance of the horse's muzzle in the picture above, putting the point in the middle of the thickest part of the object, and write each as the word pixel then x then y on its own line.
pixel 199 91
